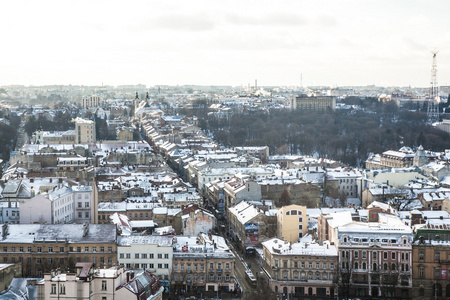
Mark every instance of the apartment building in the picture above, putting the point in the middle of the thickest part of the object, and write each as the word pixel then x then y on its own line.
pixel 65 204
pixel 375 258
pixel 84 131
pixel 292 223
pixel 151 253
pixel 251 225
pixel 41 248
pixel 88 282
pixel 316 103
pixel 300 269
pixel 91 101
pixel 431 260
pixel 202 263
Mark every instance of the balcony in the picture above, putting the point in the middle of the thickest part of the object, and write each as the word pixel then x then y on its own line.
pixel 219 270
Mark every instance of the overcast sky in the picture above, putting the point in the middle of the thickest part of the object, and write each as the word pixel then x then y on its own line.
pixel 210 42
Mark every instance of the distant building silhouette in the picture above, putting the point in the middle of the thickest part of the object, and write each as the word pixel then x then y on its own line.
pixel 320 103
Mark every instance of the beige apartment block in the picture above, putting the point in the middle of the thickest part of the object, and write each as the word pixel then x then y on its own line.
pixel 292 222
pixel 84 131
pixel 300 269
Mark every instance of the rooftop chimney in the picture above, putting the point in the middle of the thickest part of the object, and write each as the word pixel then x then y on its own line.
pixel 85 229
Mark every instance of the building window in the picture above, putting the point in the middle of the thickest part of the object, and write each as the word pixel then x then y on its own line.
pixel 437 255
pixel 385 255
pixel 166 255
pixel 393 255
pixel 159 266
pixel 166 266
pixel 128 255
pixel 104 287
pixel 356 254
pixel 159 255
pixel 300 227
pixel 53 290
pixel 374 255
pixel 62 288
pixel 364 254
pixel 136 255
pixel 39 249
pixel 38 261
pixel 144 255
pixel 121 255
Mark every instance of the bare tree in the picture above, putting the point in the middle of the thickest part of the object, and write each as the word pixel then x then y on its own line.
pixel 343 198
pixel 344 276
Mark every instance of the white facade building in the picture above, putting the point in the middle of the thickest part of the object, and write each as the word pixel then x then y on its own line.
pixel 151 253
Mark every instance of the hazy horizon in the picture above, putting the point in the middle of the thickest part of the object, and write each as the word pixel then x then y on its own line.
pixel 331 43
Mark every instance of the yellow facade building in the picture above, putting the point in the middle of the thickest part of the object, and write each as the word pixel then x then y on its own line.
pixel 292 222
